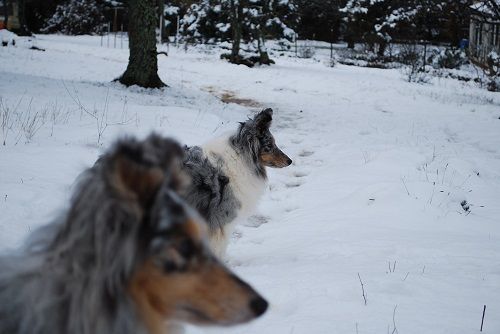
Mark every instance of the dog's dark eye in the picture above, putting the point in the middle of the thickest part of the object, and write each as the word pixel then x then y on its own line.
pixel 267 149
pixel 186 249
pixel 170 266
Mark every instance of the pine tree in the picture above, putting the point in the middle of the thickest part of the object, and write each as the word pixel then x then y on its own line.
pixel 270 18
pixel 365 22
pixel 76 17
pixel 319 19
pixel 207 21
pixel 241 21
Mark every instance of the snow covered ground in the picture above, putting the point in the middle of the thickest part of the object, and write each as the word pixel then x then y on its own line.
pixel 396 182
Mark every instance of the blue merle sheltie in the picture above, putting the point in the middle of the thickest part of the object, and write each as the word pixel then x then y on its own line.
pixel 127 256
pixel 229 176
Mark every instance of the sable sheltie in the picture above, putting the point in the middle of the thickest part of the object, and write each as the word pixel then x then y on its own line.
pixel 128 256
pixel 229 176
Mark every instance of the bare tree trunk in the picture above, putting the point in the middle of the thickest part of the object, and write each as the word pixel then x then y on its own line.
pixel 6 4
pixel 161 14
pixel 263 55
pixel 236 14
pixel 261 34
pixel 142 69
pixel 23 26
pixel 381 48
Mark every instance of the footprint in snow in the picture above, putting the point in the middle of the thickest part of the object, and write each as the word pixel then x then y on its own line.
pixel 293 184
pixel 237 234
pixel 306 153
pixel 300 174
pixel 256 221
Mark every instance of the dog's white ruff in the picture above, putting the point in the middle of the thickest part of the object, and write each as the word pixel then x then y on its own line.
pixel 247 187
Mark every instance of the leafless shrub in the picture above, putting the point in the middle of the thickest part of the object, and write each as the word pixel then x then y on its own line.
pixel 29 122
pixel 100 116
pixel 412 57
pixel 57 115
pixel 306 51
pixel 7 118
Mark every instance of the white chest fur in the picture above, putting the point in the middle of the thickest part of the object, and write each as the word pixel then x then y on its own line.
pixel 246 185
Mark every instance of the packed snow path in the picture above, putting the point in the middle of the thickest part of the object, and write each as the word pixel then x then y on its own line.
pixel 395 182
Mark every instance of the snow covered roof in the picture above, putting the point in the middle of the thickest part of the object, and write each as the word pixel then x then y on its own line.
pixel 113 3
pixel 486 8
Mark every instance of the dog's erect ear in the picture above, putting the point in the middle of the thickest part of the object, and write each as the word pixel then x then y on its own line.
pixel 263 120
pixel 140 168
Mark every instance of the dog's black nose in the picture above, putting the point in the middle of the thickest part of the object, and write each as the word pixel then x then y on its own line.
pixel 259 306
pixel 289 161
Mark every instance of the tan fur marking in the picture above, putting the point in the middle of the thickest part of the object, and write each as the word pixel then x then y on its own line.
pixel 274 159
pixel 142 289
pixel 206 293
pixel 194 230
pixel 137 181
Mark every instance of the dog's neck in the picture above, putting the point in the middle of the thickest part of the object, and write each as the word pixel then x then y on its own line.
pixel 247 185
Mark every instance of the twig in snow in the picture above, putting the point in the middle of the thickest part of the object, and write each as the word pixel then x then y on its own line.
pixel 482 320
pixel 395 330
pixel 404 279
pixel 357 332
pixel 362 288
pixel 423 270
pixel 433 190
pixel 404 183
pixel 444 174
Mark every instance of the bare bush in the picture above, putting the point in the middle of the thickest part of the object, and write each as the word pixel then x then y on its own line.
pixel 413 58
pixel 57 115
pixel 7 118
pixel 100 116
pixel 494 72
pixel 29 122
pixel 306 51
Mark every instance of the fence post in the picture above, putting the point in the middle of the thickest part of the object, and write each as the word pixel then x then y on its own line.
pixel 296 51
pixel 425 54
pixel 177 33
pixel 109 31
pixel 331 44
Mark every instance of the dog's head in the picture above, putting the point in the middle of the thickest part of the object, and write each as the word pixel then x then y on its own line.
pixel 254 135
pixel 176 276
pixel 269 154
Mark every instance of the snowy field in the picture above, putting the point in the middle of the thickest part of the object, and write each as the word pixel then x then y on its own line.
pixel 396 182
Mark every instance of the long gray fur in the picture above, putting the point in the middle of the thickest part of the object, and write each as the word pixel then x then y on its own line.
pixel 72 275
pixel 209 192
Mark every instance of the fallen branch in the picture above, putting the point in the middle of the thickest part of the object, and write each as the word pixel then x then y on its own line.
pixel 36 48
pixel 362 288
pixel 482 320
